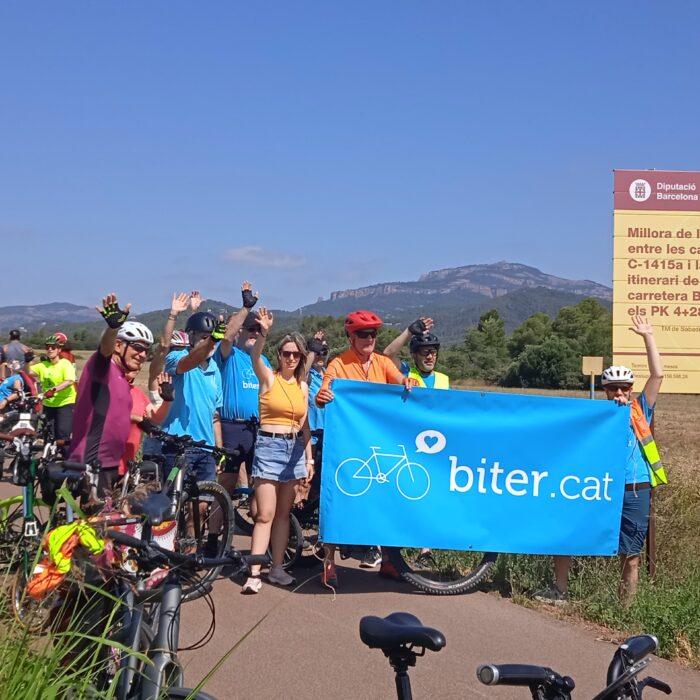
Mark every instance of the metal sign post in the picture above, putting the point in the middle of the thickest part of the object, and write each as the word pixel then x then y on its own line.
pixel 591 367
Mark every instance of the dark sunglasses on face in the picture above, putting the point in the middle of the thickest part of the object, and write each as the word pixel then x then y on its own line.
pixel 290 354
pixel 324 352
pixel 427 352
pixel 139 348
pixel 370 333
pixel 615 387
pixel 52 347
pixel 254 329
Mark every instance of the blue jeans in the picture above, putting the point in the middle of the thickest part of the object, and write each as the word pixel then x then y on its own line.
pixel 199 462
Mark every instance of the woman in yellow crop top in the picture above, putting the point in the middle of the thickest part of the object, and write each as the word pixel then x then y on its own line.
pixel 282 448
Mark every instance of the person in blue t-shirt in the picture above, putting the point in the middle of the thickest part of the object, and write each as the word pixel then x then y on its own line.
pixel 617 384
pixel 239 412
pixel 12 387
pixel 198 394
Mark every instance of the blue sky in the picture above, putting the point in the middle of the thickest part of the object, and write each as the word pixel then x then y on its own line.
pixel 154 146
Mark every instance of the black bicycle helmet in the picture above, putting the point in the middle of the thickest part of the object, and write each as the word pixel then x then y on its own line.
pixel 424 341
pixel 201 322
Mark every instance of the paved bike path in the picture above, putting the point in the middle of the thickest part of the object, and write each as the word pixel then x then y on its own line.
pixel 308 644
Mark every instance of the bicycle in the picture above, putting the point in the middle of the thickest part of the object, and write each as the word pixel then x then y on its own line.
pixel 202 509
pixel 629 659
pixel 162 677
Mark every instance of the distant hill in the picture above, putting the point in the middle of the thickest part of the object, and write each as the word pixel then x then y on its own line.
pixel 454 297
pixel 33 317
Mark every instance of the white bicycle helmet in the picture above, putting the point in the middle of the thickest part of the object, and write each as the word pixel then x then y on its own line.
pixel 617 375
pixel 133 331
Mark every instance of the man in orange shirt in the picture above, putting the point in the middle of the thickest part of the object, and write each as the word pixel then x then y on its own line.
pixel 361 363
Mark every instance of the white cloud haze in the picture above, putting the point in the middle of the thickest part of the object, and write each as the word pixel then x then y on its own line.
pixel 260 257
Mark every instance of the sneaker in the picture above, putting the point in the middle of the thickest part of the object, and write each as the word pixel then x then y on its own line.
pixel 371 558
pixel 387 569
pixel 329 578
pixel 280 577
pixel 252 586
pixel 552 595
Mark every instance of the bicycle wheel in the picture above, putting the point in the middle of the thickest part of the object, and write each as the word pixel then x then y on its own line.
pixel 413 481
pixel 443 571
pixel 295 543
pixel 241 500
pixel 205 526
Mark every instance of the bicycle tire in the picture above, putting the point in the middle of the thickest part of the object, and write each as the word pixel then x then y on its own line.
pixel 241 510
pixel 454 572
pixel 215 499
pixel 295 544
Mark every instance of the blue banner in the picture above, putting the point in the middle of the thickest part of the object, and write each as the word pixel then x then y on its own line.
pixel 472 471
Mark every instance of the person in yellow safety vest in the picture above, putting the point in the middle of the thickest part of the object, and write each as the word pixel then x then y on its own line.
pixel 643 470
pixel 424 348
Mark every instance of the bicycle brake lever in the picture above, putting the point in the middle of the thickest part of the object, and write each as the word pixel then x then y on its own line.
pixel 656 684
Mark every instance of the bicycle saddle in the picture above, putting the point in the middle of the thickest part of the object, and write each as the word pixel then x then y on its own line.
pixel 154 507
pixel 398 629
pixel 58 472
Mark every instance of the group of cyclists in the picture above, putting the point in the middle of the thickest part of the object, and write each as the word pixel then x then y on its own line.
pixel 211 381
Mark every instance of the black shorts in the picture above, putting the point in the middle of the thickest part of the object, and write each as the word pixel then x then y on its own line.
pixel 238 436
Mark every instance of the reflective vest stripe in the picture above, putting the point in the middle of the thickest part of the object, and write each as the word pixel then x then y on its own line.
pixel 442 381
pixel 642 431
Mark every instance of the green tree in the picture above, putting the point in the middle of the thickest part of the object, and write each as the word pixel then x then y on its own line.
pixel 485 347
pixel 532 331
pixel 552 364
pixel 586 327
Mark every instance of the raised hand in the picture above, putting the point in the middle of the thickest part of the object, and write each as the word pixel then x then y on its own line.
pixel 195 300
pixel 265 319
pixel 179 303
pixel 114 316
pixel 641 326
pixel 219 330
pixel 421 326
pixel 165 386
pixel 320 335
pixel 249 299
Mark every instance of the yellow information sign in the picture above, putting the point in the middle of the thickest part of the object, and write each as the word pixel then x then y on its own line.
pixel 656 273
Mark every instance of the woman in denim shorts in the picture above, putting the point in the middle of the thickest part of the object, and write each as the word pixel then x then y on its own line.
pixel 282 448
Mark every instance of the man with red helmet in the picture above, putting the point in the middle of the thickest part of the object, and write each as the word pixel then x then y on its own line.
pixel 361 363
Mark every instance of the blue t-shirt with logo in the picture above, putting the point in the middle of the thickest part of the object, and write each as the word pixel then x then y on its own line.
pixel 637 469
pixel 198 394
pixel 240 384
pixel 316 414
pixel 7 387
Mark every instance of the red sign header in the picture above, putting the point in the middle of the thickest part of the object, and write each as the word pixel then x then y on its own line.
pixel 657 190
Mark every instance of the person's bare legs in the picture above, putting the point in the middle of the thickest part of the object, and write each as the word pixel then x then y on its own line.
pixel 243 477
pixel 266 498
pixel 280 524
pixel 629 578
pixel 561 572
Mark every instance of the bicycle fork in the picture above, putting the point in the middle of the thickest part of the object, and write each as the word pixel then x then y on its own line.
pixel 164 670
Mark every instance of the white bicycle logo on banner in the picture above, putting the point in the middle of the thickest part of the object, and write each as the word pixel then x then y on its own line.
pixel 354 476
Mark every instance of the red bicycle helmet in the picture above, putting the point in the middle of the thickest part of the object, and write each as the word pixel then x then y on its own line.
pixel 62 338
pixel 361 320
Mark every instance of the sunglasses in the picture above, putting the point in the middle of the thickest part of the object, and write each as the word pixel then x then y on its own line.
pixel 324 352
pixel 290 354
pixel 428 352
pixel 52 347
pixel 139 348
pixel 254 329
pixel 371 333
pixel 615 387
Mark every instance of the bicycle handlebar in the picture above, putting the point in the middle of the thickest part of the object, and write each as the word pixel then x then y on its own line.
pixel 182 442
pixel 194 561
pixel 524 674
